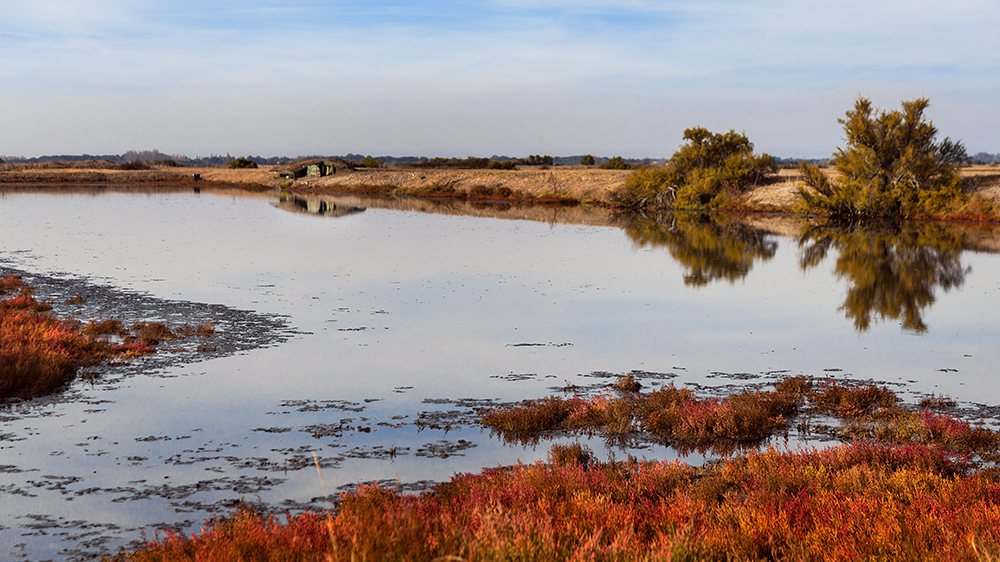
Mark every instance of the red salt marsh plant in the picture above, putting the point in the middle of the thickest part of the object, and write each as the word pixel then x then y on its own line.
pixel 38 354
pixel 863 501
pixel 206 329
pixel 669 412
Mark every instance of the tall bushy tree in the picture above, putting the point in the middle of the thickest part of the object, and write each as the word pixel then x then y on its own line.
pixel 706 171
pixel 891 166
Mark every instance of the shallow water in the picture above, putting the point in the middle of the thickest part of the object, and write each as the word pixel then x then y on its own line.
pixel 400 324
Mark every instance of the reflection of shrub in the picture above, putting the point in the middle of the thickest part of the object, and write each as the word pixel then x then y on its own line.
pixel 241 162
pixel 891 166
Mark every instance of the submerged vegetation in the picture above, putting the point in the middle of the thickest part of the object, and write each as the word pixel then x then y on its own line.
pixel 39 354
pixel 909 485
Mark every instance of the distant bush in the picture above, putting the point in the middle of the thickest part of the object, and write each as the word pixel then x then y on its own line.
pixel 616 163
pixel 133 165
pixel 891 166
pixel 587 160
pixel 370 162
pixel 536 160
pixel 502 165
pixel 168 163
pixel 238 163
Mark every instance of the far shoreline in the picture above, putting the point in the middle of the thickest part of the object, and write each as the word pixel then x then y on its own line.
pixel 536 185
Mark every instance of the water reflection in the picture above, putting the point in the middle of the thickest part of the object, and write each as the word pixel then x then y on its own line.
pixel 315 205
pixel 710 246
pixel 893 271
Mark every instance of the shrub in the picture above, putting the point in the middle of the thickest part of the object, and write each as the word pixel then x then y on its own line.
pixel 370 162
pixel 241 162
pixel 708 171
pixel 536 160
pixel 588 160
pixel 891 166
pixel 615 163
pixel 502 165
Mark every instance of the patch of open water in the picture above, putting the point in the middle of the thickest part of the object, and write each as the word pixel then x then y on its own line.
pixel 381 333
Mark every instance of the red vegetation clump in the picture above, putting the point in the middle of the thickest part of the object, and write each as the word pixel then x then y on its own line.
pixel 39 353
pixel 669 412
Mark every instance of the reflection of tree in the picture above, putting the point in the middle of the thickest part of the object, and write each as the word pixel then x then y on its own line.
pixel 893 271
pixel 709 246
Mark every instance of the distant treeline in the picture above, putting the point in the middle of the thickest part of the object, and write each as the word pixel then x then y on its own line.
pixel 157 157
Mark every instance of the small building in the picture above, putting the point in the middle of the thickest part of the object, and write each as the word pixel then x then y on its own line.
pixel 317 168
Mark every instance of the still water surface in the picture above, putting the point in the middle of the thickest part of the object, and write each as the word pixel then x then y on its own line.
pixel 402 322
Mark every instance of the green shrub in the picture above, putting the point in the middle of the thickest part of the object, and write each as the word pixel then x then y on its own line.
pixel 892 166
pixel 241 162
pixel 708 171
pixel 502 165
pixel 615 163
pixel 588 160
pixel 370 162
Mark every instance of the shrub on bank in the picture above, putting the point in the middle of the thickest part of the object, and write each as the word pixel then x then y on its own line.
pixel 707 172
pixel 241 163
pixel 892 166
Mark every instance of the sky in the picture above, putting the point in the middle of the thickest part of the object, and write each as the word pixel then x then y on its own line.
pixel 461 78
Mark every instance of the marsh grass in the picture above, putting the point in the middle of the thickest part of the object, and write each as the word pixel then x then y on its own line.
pixel 863 501
pixel 39 354
pixel 670 413
pixel 201 330
pixel 105 327
pixel 150 333
pixel 907 489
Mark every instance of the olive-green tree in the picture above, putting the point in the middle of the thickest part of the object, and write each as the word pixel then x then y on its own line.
pixel 241 162
pixel 706 171
pixel 615 163
pixel 588 160
pixel 892 166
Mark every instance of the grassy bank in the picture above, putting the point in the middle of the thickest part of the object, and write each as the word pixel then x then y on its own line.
pixel 911 484
pixel 535 184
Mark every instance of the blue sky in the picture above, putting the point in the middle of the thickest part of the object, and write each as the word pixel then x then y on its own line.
pixel 461 78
